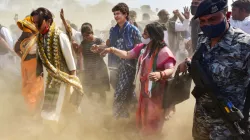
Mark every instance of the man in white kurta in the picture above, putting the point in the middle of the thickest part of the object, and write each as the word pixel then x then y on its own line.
pixel 241 15
pixel 65 89
pixel 244 25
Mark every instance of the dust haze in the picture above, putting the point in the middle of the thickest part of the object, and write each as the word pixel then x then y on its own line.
pixel 17 123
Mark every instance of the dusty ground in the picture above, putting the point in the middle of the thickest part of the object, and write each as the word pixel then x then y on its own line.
pixel 18 124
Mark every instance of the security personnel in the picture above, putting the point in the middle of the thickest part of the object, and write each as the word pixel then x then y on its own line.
pixel 226 58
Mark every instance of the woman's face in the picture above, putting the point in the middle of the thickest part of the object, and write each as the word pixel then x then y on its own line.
pixel 145 34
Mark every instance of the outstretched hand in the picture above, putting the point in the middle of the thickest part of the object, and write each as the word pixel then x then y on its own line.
pixel 105 52
pixel 95 48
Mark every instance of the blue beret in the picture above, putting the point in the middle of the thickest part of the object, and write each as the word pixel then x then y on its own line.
pixel 208 7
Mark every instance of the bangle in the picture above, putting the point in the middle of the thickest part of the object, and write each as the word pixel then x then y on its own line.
pixel 112 49
pixel 161 75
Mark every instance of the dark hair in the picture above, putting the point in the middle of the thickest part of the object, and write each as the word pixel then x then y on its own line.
pixel 156 34
pixel 162 12
pixel 86 28
pixel 146 16
pixel 242 4
pixel 123 8
pixel 86 23
pixel 43 14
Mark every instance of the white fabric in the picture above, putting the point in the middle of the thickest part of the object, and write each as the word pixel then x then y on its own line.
pixel 64 88
pixel 10 63
pixel 166 37
pixel 243 25
pixel 67 51
pixel 7 36
pixel 77 36
pixel 33 49
pixel 179 26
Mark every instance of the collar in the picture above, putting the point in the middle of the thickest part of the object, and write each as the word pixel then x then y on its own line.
pixel 247 18
pixel 125 25
pixel 227 39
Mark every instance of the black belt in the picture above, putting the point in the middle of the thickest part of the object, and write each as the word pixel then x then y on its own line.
pixel 30 56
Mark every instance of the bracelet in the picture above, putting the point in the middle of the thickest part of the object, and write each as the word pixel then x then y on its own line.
pixel 161 75
pixel 112 49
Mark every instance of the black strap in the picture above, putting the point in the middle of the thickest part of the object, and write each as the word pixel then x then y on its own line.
pixel 246 109
pixel 205 81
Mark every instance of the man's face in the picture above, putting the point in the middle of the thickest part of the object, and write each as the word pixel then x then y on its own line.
pixel 236 13
pixel 41 27
pixel 194 6
pixel 120 17
pixel 196 2
pixel 164 17
pixel 212 19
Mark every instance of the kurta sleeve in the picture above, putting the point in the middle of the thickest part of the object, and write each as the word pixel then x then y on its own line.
pixel 7 36
pixel 136 36
pixel 166 58
pixel 182 26
pixel 67 52
pixel 135 52
pixel 76 36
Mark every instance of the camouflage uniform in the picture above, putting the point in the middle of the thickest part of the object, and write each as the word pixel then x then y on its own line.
pixel 228 63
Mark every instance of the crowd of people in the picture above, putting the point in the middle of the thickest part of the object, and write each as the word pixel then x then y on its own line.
pixel 65 66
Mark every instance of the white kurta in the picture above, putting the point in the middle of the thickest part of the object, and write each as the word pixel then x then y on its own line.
pixel 7 36
pixel 77 36
pixel 182 26
pixel 64 88
pixel 243 25
pixel 9 62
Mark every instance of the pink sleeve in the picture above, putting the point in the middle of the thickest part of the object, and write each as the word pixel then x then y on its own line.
pixel 135 52
pixel 166 58
pixel 169 64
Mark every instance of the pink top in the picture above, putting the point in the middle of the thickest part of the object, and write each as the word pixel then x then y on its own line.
pixel 165 58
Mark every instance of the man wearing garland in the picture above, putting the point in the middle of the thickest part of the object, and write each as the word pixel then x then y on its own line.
pixel 56 63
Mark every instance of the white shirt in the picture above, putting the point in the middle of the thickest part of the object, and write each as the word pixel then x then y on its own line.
pixel 7 36
pixel 243 25
pixel 77 36
pixel 166 37
pixel 183 26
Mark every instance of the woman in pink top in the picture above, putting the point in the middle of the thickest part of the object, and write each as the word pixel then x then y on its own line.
pixel 155 64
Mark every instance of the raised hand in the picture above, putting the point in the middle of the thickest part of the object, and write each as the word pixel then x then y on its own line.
pixel 176 12
pixel 186 13
pixel 62 14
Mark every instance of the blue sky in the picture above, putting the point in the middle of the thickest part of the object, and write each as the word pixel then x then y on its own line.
pixel 170 5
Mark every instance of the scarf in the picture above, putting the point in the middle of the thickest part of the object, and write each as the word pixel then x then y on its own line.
pixel 149 85
pixel 27 25
pixel 54 62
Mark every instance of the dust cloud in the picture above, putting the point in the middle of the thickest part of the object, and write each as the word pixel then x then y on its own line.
pixel 17 123
pixel 95 119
